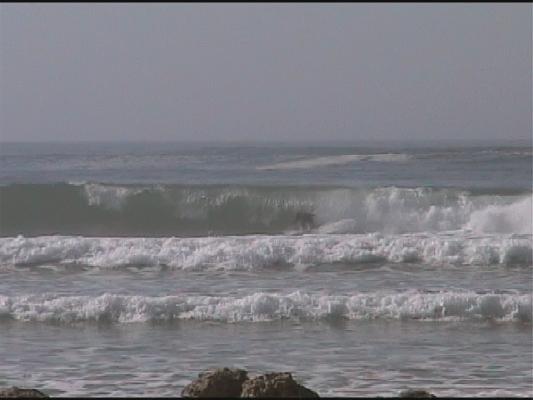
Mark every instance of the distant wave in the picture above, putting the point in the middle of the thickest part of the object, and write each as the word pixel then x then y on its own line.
pixel 257 252
pixel 168 158
pixel 335 160
pixel 94 209
pixel 325 161
pixel 527 152
pixel 258 307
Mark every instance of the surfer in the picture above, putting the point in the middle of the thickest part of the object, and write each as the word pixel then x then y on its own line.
pixel 305 220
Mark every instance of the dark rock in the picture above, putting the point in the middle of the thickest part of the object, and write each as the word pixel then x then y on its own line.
pixel 417 394
pixel 220 382
pixel 277 384
pixel 19 392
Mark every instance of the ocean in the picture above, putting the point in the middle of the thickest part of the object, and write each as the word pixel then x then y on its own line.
pixel 128 268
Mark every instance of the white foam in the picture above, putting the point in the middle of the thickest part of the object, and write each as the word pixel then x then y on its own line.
pixel 335 160
pixel 257 251
pixel 343 226
pixel 107 196
pixel 409 305
pixel 494 393
pixel 402 210
pixel 513 218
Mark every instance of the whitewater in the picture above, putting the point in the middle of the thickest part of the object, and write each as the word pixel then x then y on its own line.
pixel 126 269
pixel 255 252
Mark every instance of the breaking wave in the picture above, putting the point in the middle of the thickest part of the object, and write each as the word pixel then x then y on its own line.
pixel 409 305
pixel 177 210
pixel 258 251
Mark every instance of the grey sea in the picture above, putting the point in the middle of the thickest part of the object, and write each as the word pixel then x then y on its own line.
pixel 126 269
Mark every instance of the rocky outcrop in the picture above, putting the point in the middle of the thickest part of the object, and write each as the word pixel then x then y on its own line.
pixel 277 384
pixel 234 383
pixel 220 382
pixel 14 392
pixel 229 382
pixel 416 394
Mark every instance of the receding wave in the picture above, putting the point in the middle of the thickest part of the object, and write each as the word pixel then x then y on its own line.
pixel 255 252
pixel 176 210
pixel 257 307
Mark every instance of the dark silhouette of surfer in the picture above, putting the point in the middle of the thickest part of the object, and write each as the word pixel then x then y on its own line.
pixel 305 221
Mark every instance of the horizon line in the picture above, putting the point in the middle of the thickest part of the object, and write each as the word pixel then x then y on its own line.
pixel 258 141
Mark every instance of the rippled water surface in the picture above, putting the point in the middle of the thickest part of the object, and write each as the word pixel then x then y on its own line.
pixel 334 358
pixel 128 269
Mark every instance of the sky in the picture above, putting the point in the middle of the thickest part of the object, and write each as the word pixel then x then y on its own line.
pixel 265 72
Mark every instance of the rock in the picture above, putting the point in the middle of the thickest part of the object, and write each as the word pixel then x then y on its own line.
pixel 220 382
pixel 19 392
pixel 417 394
pixel 277 384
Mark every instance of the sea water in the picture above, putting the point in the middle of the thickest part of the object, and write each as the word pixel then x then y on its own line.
pixel 126 269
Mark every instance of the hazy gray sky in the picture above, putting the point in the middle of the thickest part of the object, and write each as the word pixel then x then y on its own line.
pixel 265 71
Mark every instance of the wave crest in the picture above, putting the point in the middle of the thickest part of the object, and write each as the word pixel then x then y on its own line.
pixel 255 252
pixel 516 217
pixel 165 210
pixel 256 307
